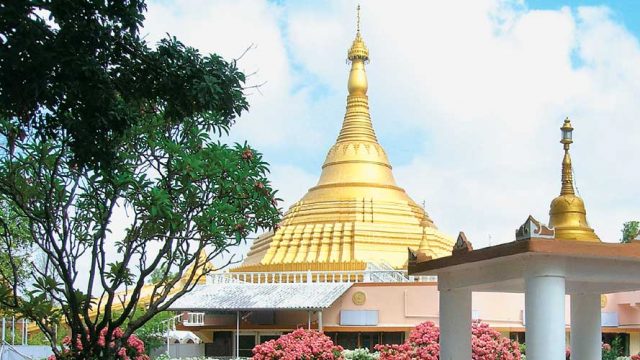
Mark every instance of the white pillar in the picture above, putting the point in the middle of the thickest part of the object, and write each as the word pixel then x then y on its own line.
pixel 544 316
pixel 309 320
pixel 455 324
pixel 168 332
pixel 586 332
pixel 237 334
pixel 320 320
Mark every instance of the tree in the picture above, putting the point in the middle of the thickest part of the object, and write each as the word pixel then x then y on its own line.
pixel 80 66
pixel 95 124
pixel 14 235
pixel 630 231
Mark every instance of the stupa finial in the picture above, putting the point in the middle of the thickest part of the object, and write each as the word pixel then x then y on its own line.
pixel 358 20
pixel 358 50
pixel 567 170
pixel 568 215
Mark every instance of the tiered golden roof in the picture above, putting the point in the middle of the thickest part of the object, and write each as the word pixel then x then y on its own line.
pixel 356 214
pixel 568 216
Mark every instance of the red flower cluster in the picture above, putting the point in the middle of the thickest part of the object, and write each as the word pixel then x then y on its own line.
pixel 635 357
pixel 423 343
pixel 300 344
pixel 133 349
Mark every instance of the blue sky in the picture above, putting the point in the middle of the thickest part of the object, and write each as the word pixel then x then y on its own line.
pixel 466 97
pixel 626 12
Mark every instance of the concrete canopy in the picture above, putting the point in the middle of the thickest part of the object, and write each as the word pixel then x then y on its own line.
pixel 587 267
pixel 545 269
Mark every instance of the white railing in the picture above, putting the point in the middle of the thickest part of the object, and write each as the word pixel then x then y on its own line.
pixel 364 276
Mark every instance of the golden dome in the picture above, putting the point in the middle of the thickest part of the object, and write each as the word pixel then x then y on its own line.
pixel 568 216
pixel 356 214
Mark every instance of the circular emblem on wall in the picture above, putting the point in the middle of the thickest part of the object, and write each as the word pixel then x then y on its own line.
pixel 603 301
pixel 359 298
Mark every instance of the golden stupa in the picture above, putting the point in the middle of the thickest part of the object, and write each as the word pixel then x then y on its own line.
pixel 356 214
pixel 568 216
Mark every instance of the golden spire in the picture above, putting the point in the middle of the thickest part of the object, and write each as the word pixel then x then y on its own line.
pixel 356 213
pixel 357 120
pixel 568 215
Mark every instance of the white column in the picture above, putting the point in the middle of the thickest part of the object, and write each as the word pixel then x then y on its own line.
pixel 320 320
pixel 237 334
pixel 455 324
pixel 586 333
pixel 544 316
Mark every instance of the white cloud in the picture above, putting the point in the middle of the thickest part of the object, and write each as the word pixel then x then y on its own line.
pixel 486 82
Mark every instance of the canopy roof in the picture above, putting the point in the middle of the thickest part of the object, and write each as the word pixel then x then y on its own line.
pixel 250 296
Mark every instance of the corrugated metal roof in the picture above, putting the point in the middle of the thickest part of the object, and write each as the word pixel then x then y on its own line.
pixel 251 296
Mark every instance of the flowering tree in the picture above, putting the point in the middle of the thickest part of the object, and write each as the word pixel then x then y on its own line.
pixel 112 167
pixel 131 349
pixel 300 344
pixel 423 343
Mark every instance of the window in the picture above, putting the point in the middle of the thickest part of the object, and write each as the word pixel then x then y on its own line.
pixel 369 340
pixel 265 338
pixel 247 343
pixel 221 345
pixel 517 336
pixel 391 338
pixel 194 319
pixel 347 340
pixel 624 338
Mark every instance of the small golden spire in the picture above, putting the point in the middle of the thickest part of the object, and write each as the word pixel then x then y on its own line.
pixel 567 171
pixel 568 216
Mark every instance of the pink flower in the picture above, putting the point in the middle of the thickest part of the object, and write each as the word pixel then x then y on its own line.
pixel 133 348
pixel 300 344
pixel 423 343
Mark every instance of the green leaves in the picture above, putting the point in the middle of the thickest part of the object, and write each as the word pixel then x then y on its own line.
pixel 119 273
pixel 80 68
pixel 630 231
pixel 111 166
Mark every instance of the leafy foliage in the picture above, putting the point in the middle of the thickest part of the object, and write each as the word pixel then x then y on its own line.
pixel 79 67
pixel 151 333
pixel 14 235
pixel 630 231
pixel 360 354
pixel 96 127
pixel 613 350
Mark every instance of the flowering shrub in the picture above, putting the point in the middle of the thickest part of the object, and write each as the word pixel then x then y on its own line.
pixel 133 349
pixel 488 344
pixel 300 344
pixel 423 343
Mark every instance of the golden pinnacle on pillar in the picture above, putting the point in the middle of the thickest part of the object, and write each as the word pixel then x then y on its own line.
pixel 568 216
